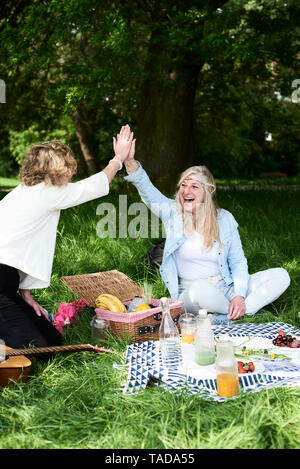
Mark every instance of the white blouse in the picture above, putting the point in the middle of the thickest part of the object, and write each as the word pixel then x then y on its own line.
pixel 29 217
pixel 194 261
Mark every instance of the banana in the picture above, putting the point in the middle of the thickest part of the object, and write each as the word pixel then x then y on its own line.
pixel 107 304
pixel 110 303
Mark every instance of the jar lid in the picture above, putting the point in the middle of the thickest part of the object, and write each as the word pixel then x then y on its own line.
pixel 99 323
pixel 186 317
pixel 224 338
pixel 202 313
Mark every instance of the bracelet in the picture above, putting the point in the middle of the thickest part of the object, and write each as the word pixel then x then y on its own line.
pixel 115 160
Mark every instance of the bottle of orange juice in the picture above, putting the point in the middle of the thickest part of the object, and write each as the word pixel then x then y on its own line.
pixel 227 368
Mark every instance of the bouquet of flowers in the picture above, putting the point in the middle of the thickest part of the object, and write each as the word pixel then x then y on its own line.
pixel 67 314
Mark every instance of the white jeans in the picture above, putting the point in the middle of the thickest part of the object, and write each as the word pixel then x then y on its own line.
pixel 264 287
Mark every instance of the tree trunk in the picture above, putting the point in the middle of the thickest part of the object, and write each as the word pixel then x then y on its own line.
pixel 85 135
pixel 165 120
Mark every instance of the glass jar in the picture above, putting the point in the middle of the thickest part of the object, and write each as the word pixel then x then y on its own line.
pixel 187 324
pixel 204 339
pixel 226 368
pixel 98 329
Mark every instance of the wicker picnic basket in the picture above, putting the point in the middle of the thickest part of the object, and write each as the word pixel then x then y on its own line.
pixel 138 326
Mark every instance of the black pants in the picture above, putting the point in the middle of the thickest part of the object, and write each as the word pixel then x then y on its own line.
pixel 20 326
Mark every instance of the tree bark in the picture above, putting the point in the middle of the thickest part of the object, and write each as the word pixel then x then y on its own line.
pixel 85 135
pixel 165 119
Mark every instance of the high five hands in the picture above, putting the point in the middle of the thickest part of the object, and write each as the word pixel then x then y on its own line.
pixel 123 146
pixel 124 137
pixel 123 142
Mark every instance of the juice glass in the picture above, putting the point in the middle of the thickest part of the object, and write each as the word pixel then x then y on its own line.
pixel 227 369
pixel 187 325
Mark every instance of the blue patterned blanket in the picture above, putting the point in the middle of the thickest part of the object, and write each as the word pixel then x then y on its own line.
pixel 145 366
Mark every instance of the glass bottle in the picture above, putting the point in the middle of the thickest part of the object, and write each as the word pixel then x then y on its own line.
pixel 226 368
pixel 204 340
pixel 169 339
pixel 187 325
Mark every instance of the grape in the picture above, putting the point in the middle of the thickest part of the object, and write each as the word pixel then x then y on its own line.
pixel 286 341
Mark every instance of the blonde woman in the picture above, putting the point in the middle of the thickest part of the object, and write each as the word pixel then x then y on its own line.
pixel 29 217
pixel 203 263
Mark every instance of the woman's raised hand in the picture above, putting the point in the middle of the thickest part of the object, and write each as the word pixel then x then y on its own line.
pixel 122 143
pixel 130 163
pixel 131 151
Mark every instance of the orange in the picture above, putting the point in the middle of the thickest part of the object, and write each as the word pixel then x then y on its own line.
pixel 142 307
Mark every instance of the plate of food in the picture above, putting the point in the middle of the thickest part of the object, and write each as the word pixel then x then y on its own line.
pixel 286 340
pixel 283 346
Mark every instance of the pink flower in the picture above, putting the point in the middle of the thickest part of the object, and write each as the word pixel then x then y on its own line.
pixel 67 314
pixel 59 319
pixel 79 304
pixel 59 322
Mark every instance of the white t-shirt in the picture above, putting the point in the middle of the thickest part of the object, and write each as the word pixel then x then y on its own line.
pixel 28 222
pixel 194 261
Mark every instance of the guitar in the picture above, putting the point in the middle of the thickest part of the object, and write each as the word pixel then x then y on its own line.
pixel 17 366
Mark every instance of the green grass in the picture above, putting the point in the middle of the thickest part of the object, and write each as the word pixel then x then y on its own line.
pixel 75 401
pixel 273 181
pixel 8 183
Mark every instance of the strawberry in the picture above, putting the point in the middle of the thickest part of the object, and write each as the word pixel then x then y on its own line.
pixel 251 366
pixel 280 332
pixel 242 371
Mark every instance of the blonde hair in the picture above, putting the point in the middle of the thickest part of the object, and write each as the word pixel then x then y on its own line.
pixel 51 162
pixel 206 219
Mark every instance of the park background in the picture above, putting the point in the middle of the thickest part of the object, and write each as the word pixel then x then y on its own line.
pixel 211 82
pixel 199 82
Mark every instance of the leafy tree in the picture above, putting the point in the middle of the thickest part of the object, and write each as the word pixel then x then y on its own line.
pixel 64 59
pixel 194 78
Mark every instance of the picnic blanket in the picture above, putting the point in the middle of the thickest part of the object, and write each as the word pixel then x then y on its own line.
pixel 144 363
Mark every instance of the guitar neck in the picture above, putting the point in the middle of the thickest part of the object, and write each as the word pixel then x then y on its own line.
pixel 36 351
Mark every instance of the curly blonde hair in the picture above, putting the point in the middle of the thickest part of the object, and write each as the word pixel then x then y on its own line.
pixel 51 162
pixel 206 223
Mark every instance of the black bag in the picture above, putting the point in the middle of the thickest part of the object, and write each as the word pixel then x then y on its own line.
pixel 155 253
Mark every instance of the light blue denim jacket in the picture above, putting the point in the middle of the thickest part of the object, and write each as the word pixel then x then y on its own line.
pixel 231 259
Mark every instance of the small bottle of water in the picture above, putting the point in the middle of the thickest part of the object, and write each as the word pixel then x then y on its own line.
pixel 169 338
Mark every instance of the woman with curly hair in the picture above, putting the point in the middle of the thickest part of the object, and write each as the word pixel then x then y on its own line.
pixel 29 217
